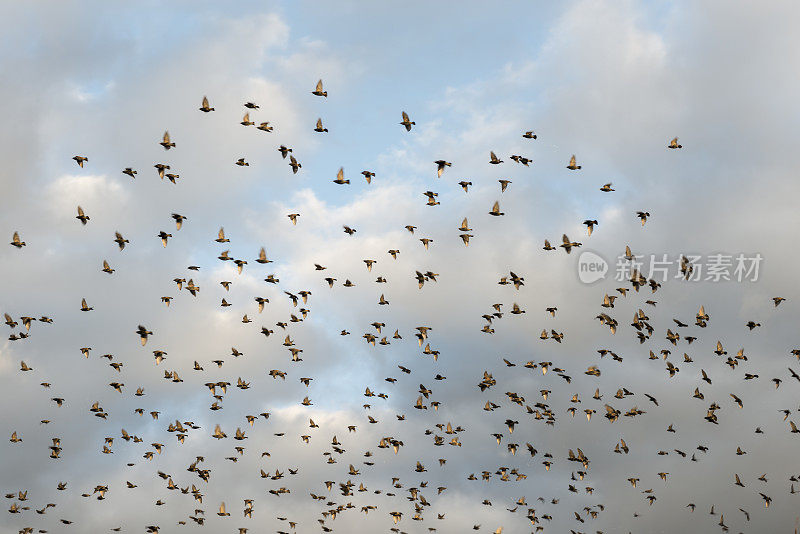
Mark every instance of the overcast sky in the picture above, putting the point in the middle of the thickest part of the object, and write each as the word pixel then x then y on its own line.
pixel 611 82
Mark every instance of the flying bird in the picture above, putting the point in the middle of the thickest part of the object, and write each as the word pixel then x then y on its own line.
pixel 406 122
pixel 318 90
pixel 204 107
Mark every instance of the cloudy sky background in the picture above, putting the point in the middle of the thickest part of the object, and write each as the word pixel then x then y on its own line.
pixel 611 82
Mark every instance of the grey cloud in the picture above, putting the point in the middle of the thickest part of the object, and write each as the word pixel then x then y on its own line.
pixel 608 84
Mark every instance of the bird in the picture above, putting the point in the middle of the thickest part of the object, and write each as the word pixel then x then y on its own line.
pixel 178 220
pixel 121 241
pixel 318 90
pixel 161 168
pixel 567 245
pixel 440 166
pixel 83 218
pixel 674 143
pixel 164 237
pixel 166 143
pixel 221 236
pixel 406 122
pixel 573 166
pixel 15 241
pixel 340 179
pixel 294 164
pixel 204 107
pixel 262 256
pixel 143 334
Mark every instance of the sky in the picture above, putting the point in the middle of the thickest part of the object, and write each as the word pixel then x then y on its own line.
pixel 611 82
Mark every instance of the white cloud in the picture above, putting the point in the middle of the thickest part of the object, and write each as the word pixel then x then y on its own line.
pixel 609 84
pixel 99 191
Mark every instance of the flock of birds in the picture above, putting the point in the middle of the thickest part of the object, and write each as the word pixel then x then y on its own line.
pixel 403 502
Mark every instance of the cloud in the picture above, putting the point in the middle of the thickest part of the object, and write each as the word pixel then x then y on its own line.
pixel 610 82
pixel 67 191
